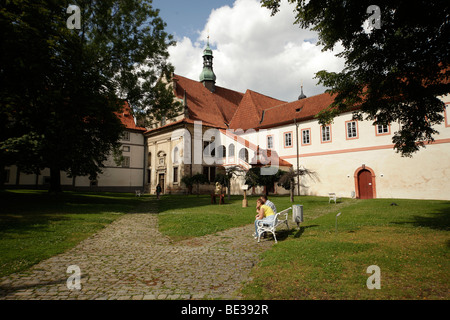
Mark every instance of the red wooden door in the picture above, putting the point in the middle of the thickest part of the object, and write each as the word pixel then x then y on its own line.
pixel 365 184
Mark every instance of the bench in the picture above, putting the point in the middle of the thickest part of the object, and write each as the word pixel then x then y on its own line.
pixel 332 196
pixel 280 218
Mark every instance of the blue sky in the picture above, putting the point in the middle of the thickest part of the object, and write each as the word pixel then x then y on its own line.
pixel 252 50
pixel 185 18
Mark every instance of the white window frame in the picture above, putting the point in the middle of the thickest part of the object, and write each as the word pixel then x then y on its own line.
pixel 126 136
pixel 288 139
pixel 306 136
pixel 269 142
pixel 326 133
pixel 126 162
pixel 352 129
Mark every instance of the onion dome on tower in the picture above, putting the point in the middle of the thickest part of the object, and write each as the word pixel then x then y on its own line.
pixel 302 95
pixel 207 77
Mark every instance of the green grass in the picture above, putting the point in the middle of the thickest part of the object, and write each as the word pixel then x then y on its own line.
pixel 409 242
pixel 182 217
pixel 35 225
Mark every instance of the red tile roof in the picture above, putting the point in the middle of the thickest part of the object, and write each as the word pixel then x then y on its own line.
pixel 249 112
pixel 215 109
pixel 301 110
pixel 127 118
pixel 226 108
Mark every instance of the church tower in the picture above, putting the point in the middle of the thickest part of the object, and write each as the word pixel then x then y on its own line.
pixel 302 95
pixel 207 77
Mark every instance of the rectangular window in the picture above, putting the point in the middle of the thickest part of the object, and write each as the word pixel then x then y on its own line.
pixel 210 173
pixel 288 139
pixel 269 142
pixel 126 149
pixel 352 130
pixel 326 134
pixel 126 162
pixel 382 129
pixel 306 136
pixel 126 136
pixel 206 171
pixel 175 174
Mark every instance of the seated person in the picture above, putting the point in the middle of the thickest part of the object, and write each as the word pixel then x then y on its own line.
pixel 268 203
pixel 264 213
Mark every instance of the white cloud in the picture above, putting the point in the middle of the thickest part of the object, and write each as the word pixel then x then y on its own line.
pixel 257 51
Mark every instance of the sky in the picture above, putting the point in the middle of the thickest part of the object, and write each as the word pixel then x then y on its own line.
pixel 252 49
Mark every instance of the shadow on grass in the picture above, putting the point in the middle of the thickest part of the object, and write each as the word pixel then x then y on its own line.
pixel 438 219
pixel 174 202
pixel 23 211
pixel 300 231
pixel 283 234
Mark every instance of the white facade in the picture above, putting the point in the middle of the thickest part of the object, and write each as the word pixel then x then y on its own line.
pixel 127 176
pixel 348 147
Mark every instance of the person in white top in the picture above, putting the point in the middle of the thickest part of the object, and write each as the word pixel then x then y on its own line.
pixel 268 203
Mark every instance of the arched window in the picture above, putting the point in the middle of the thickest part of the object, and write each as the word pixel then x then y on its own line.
pixel 243 154
pixel 222 151
pixel 176 155
pixel 231 150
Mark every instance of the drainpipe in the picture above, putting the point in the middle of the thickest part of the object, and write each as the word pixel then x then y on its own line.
pixel 145 163
pixel 298 166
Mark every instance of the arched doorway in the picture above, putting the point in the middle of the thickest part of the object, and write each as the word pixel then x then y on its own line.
pixel 365 183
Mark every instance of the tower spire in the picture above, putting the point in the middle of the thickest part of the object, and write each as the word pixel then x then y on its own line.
pixel 302 95
pixel 207 77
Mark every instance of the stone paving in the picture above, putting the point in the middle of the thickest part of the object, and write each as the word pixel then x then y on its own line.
pixel 131 260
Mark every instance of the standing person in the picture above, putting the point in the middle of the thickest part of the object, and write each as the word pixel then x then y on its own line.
pixel 268 203
pixel 158 191
pixel 264 214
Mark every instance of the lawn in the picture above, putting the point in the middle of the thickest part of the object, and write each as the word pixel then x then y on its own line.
pixel 35 225
pixel 408 241
pixel 182 217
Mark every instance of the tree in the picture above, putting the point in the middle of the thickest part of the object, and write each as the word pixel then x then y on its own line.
pixel 287 179
pixel 254 178
pixel 225 179
pixel 394 71
pixel 60 88
pixel 198 179
pixel 187 180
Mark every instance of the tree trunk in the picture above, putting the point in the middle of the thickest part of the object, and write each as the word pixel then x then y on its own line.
pixel 291 192
pixel 55 180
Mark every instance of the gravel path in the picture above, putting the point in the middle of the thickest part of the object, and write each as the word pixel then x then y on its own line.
pixel 131 260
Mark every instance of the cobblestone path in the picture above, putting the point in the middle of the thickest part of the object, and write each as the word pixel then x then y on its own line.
pixel 131 260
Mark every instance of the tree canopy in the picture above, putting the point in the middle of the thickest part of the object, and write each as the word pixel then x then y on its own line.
pixel 394 71
pixel 61 87
pixel 253 178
